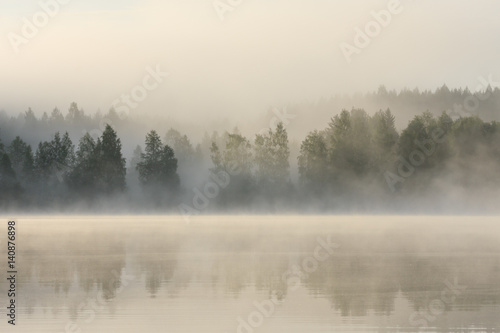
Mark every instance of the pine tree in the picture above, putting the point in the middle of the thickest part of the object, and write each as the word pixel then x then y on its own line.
pixel 158 165
pixel 111 164
pixel 54 158
pixel 84 176
pixel 9 185
pixel 21 157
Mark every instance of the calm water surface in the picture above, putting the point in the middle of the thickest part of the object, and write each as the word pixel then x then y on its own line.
pixel 255 274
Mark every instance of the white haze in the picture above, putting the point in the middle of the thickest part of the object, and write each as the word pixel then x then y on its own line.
pixel 265 53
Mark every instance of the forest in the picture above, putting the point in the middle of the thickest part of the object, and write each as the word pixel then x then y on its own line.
pixel 354 162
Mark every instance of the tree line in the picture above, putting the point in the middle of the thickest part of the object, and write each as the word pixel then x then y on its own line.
pixel 357 162
pixel 299 117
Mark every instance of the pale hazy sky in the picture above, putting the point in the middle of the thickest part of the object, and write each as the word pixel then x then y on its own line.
pixel 264 53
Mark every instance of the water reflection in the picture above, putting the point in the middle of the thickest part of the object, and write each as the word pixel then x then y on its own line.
pixel 379 272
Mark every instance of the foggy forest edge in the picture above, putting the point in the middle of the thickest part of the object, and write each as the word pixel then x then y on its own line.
pixel 440 163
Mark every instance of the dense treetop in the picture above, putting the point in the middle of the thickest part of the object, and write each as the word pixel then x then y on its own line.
pixel 355 162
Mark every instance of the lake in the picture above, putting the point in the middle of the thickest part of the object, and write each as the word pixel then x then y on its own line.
pixel 250 274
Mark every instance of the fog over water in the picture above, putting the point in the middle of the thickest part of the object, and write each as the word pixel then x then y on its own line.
pixel 249 166
pixel 355 274
pixel 359 89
